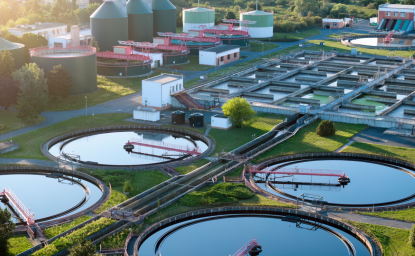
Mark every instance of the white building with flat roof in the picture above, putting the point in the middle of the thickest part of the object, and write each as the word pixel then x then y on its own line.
pixel 157 90
pixel 65 40
pixel 45 29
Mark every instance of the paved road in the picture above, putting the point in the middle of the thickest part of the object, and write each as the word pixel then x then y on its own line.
pixel 369 219
pixel 374 135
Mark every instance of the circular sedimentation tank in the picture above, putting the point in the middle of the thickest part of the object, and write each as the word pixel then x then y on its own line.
pixel 193 18
pixel 263 28
pixel 80 62
pixel 396 42
pixel 172 59
pixel 69 192
pixel 140 21
pixel 16 50
pixel 142 147
pixel 164 16
pixel 227 235
pixel 368 181
pixel 109 24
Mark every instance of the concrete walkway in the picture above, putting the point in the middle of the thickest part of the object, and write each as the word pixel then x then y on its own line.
pixel 369 219
pixel 44 163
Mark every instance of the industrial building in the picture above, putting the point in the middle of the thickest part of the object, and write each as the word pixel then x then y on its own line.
pixel 164 16
pixel 139 16
pixel 64 40
pixel 157 90
pixel 40 28
pixel 109 24
pixel 219 55
pixel 397 17
pixel 16 50
pixel 333 23
pixel 220 122
pixel 197 18
pixel 79 61
pixel 263 26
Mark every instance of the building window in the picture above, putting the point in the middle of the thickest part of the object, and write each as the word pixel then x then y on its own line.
pixel 400 41
pixel 395 14
pixel 235 55
pixel 221 58
pixel 229 56
pixel 177 87
pixel 402 14
pixel 334 24
pixel 388 13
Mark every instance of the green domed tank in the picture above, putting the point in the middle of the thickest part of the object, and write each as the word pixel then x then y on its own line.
pixel 109 24
pixel 140 22
pixel 16 50
pixel 263 28
pixel 164 16
pixel 195 17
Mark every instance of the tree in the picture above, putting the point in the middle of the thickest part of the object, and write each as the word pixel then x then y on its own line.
pixel 29 40
pixel 94 43
pixel 6 230
pixel 69 17
pixel 59 82
pixel 33 97
pixel 410 2
pixel 252 5
pixel 127 186
pixel 6 64
pixel 60 6
pixel 9 91
pixel 337 9
pixel 238 110
pixel 84 248
pixel 304 6
pixel 230 15
pixel 412 236
pixel 326 128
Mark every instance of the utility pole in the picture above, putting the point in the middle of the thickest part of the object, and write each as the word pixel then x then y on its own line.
pixel 86 106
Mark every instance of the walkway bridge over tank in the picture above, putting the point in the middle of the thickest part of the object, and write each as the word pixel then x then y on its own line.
pixel 299 171
pixel 166 146
pixel 25 213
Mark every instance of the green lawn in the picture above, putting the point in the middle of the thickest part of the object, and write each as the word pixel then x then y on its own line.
pixel 10 121
pixel 74 237
pixel 56 230
pixel 406 154
pixel 140 182
pixel 29 143
pixel 193 65
pixel 18 244
pixel 294 36
pixel 340 35
pixel 227 140
pixel 306 140
pixel 394 241
pixel 109 89
pixel 188 168
pixel 404 215
pixel 261 47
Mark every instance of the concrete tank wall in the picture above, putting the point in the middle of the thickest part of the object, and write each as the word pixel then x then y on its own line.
pixel 129 71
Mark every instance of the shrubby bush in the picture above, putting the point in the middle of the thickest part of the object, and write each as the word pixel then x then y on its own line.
pixel 326 128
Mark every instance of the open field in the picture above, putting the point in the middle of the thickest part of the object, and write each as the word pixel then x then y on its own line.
pixel 306 140
pixel 108 89
pixel 290 37
pixel 261 47
pixel 406 154
pixel 227 140
pixel 394 241
pixel 18 244
pixel 30 142
pixel 10 121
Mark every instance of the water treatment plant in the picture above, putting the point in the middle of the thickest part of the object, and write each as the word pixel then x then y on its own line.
pixel 145 158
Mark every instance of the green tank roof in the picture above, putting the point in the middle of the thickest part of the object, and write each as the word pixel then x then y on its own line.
pixel 108 10
pixel 162 5
pixel 10 46
pixel 137 7
pixel 256 12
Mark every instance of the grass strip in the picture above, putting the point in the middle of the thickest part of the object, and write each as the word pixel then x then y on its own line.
pixel 261 47
pixel 10 121
pixel 18 244
pixel 74 238
pixel 56 230
pixel 227 140
pixel 189 168
pixel 407 154
pixel 307 141
pixel 394 240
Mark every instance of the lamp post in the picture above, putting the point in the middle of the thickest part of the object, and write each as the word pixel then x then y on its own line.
pixel 86 106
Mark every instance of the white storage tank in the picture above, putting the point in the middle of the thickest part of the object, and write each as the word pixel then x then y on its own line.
pixel 146 114
pixel 195 17
pixel 263 28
